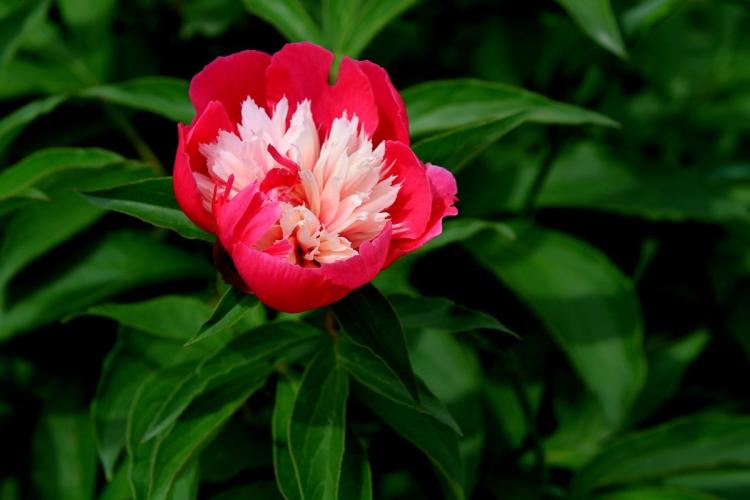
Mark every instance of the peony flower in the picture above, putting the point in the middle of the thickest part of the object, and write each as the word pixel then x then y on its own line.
pixel 310 188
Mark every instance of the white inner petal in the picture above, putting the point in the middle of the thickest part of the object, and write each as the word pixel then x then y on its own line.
pixel 341 197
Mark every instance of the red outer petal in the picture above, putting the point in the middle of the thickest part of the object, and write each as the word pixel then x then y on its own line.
pixel 298 71
pixel 231 79
pixel 444 189
pixel 393 120
pixel 284 286
pixel 245 218
pixel 414 203
pixel 352 93
pixel 205 129
pixel 360 269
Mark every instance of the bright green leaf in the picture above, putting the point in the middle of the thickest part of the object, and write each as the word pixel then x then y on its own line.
pixel 596 19
pixel 232 306
pixel 287 16
pixel 152 201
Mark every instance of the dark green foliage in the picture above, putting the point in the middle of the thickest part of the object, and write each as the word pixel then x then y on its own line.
pixel 582 329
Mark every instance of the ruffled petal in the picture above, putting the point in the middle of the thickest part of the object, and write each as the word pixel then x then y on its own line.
pixel 411 211
pixel 361 269
pixel 353 94
pixel 284 286
pixel 444 189
pixel 188 160
pixel 393 121
pixel 298 71
pixel 231 79
pixel 245 218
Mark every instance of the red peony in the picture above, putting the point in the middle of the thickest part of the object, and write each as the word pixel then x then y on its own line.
pixel 310 188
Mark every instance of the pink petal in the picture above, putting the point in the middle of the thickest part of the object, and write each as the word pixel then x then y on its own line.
pixel 298 71
pixel 353 94
pixel 393 121
pixel 414 203
pixel 245 218
pixel 361 269
pixel 188 159
pixel 284 286
pixel 444 189
pixel 231 79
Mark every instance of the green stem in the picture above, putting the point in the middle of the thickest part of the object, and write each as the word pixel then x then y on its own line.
pixel 553 139
pixel 143 149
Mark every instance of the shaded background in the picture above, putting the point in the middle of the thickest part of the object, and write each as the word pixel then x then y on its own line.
pixel 659 202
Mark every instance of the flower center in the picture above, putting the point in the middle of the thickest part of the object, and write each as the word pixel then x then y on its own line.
pixel 334 196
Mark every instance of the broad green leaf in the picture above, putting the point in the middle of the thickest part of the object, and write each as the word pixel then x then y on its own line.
pixel 64 456
pixel 12 124
pixel 372 371
pixel 286 479
pixel 587 176
pixel 441 314
pixel 701 442
pixel 167 97
pixel 14 26
pixel 152 201
pixel 239 448
pixel 117 487
pixel 730 484
pixel 356 476
pixel 456 148
pixel 37 227
pixel 157 464
pixel 121 261
pixel 350 25
pixel 596 19
pixel 260 350
pixel 452 371
pixel 259 490
pixel 17 179
pixel 666 365
pixel 656 493
pixel 84 13
pixel 645 14
pixel 444 105
pixel 317 427
pixel 168 316
pixel 587 305
pixel 287 16
pixel 209 18
pixel 232 306
pixel 436 440
pixel 369 319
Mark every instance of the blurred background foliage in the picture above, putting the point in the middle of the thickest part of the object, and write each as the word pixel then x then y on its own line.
pixel 611 234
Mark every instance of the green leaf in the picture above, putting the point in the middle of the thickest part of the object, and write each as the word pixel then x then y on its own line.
pixel 17 179
pixel 168 316
pixel 356 476
pixel 445 105
pixel 232 306
pixel 587 305
pixel 369 319
pixel 317 427
pixel 436 440
pixel 156 466
pixel 458 147
pixel 286 479
pixel 596 19
pixel 119 262
pixel 588 176
pixel 64 456
pixel 453 373
pixel 14 26
pixel 441 314
pixel 666 365
pixel 85 13
pixel 152 201
pixel 372 371
pixel 694 443
pixel 260 489
pixel 239 449
pixel 209 18
pixel 656 493
pixel 260 350
pixel 12 124
pixel 287 16
pixel 167 97
pixel 350 25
